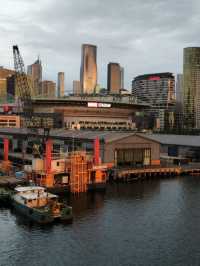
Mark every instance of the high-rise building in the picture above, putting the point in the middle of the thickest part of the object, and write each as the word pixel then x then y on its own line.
pixel 61 84
pixel 158 90
pixel 88 73
pixel 35 71
pixel 122 77
pixel 48 88
pixel 76 87
pixel 114 78
pixel 179 88
pixel 191 87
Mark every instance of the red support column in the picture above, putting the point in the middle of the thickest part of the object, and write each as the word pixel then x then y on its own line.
pixel 96 151
pixel 48 158
pixel 6 148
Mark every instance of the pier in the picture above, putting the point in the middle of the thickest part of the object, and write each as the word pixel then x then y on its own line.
pixel 151 172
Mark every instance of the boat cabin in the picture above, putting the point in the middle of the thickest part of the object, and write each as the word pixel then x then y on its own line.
pixel 35 197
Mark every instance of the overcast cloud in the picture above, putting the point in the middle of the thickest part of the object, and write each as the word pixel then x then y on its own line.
pixel 144 36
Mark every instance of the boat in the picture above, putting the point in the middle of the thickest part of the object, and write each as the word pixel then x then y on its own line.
pixel 39 205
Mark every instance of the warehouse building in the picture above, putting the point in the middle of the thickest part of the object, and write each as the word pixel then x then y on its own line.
pixel 180 146
pixel 122 149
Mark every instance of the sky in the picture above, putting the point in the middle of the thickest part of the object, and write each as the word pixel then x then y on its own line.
pixel 144 36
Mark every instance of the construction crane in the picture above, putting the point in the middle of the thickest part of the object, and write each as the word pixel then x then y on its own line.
pixel 32 121
pixel 23 86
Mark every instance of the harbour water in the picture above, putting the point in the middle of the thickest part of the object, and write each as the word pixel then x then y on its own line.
pixel 143 223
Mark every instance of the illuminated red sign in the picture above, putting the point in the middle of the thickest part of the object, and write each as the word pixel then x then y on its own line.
pixel 154 78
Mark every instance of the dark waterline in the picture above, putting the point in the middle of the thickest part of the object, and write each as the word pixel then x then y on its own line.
pixel 147 223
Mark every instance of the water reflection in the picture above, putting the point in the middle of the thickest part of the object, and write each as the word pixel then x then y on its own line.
pixel 144 223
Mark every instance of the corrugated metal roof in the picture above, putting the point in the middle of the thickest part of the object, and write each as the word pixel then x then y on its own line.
pixel 181 140
pixel 107 136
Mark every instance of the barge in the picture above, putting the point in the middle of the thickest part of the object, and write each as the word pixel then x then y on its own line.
pixel 39 205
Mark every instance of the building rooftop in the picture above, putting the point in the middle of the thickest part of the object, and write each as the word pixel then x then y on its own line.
pixel 106 136
pixel 181 140
pixel 62 134
pixel 128 100
pixel 153 75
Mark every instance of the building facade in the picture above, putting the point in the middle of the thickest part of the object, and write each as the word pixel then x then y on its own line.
pixel 114 78
pixel 191 87
pixel 61 84
pixel 35 72
pixel 4 74
pixel 88 71
pixel 48 89
pixel 96 113
pixel 76 87
pixel 179 88
pixel 158 90
pixel 122 77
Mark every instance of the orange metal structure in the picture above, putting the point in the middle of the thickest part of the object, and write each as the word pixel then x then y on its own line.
pixel 96 151
pixel 6 164
pixel 79 174
pixel 6 148
pixel 83 171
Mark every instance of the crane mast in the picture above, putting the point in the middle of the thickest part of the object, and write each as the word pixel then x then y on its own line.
pixel 23 85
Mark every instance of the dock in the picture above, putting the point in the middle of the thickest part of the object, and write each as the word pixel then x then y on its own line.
pixel 151 172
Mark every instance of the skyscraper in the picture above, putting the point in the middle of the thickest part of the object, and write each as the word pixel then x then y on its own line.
pixel 158 90
pixel 35 71
pixel 122 78
pixel 88 73
pixel 76 87
pixel 61 84
pixel 191 87
pixel 114 78
pixel 48 88
pixel 179 88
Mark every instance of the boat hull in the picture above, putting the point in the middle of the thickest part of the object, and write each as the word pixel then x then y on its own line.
pixel 33 214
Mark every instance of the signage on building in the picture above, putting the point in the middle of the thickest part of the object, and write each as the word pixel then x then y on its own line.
pixel 99 105
pixel 154 78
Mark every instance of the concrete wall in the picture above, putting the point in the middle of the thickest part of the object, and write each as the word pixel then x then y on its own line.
pixel 131 143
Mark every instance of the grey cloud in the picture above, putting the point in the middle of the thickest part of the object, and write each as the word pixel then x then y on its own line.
pixel 144 36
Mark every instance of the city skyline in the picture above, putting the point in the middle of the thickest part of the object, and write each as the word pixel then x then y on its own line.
pixel 139 36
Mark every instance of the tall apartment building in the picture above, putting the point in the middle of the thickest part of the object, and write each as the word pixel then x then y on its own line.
pixel 35 72
pixel 76 87
pixel 114 78
pixel 191 87
pixel 88 71
pixel 158 90
pixel 179 88
pixel 61 84
pixel 48 89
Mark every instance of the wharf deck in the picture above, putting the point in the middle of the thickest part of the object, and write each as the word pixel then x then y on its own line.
pixel 146 172
pixel 137 173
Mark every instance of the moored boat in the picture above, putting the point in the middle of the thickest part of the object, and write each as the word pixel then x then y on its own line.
pixel 39 205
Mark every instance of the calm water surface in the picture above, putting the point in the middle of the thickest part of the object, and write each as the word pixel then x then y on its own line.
pixel 147 223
